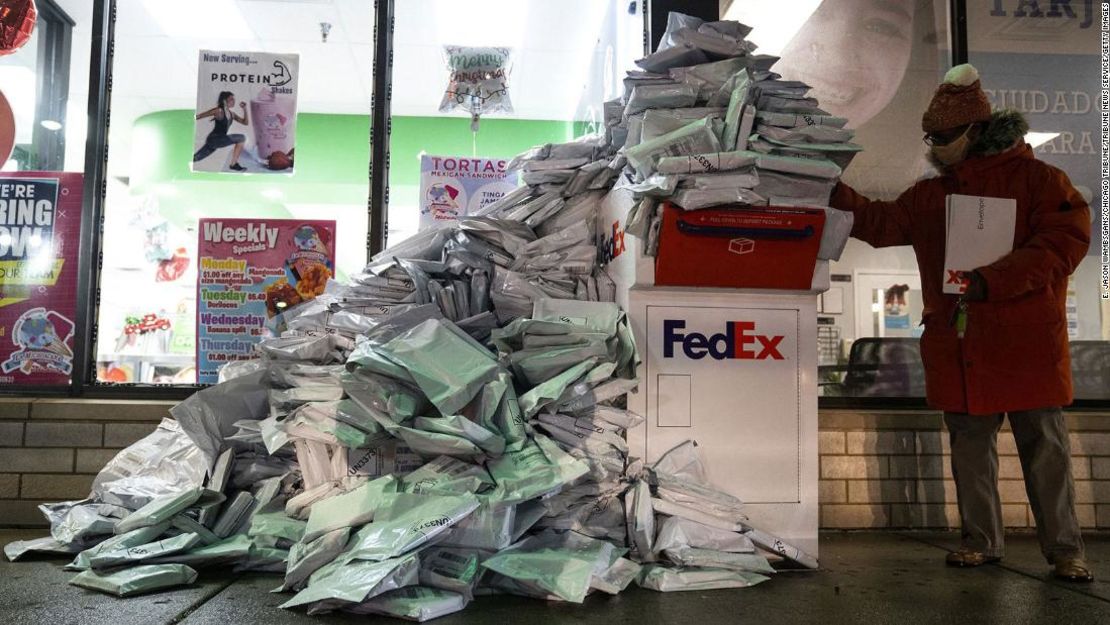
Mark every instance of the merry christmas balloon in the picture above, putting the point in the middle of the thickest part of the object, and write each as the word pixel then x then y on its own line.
pixel 479 80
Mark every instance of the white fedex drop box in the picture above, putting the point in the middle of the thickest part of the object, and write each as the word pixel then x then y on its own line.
pixel 734 370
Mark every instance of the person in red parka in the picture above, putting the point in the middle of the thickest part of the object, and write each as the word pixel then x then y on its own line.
pixel 1002 347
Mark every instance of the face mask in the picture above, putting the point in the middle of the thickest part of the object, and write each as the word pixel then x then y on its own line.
pixel 953 152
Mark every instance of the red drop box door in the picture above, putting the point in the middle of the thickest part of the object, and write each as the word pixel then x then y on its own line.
pixel 739 247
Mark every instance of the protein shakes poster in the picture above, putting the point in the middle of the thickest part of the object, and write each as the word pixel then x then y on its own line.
pixel 250 271
pixel 452 187
pixel 40 226
pixel 246 118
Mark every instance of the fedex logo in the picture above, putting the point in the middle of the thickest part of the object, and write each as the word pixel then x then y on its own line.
pixel 612 244
pixel 739 341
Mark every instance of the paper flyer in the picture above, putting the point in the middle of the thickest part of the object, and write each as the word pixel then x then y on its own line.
pixel 980 230
pixel 452 187
pixel 250 271
pixel 40 228
pixel 246 117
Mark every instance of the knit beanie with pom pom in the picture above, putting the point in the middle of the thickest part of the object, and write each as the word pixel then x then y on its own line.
pixel 959 101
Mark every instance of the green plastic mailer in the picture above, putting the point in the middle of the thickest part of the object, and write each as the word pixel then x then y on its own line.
pixel 406 522
pixel 677 532
pixel 641 520
pixel 561 574
pixel 350 509
pixel 448 368
pixel 187 524
pixel 413 603
pixel 319 421
pixel 274 436
pixel 436 444
pixel 567 466
pixel 400 400
pixel 665 579
pixel 708 558
pixel 559 564
pixel 137 579
pixel 737 101
pixel 234 549
pixel 355 581
pixel 489 528
pixel 133 538
pixel 448 476
pixel 366 357
pixel 598 316
pixel 139 553
pixel 263 560
pixel 617 577
pixel 527 515
pixel 278 525
pixel 536 366
pixel 547 392
pixel 452 569
pixel 164 508
pixel 307 558
pixel 461 427
pixel 509 419
pixel 351 413
pixel 19 548
pixel 540 467
pixel 511 337
pixel 628 358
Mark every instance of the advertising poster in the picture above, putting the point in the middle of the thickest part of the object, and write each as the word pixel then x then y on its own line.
pixel 452 187
pixel 246 118
pixel 250 271
pixel 40 229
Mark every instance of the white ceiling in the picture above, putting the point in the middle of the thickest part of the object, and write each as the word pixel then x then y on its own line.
pixel 157 43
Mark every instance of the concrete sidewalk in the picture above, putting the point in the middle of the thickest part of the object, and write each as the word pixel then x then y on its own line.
pixel 872 577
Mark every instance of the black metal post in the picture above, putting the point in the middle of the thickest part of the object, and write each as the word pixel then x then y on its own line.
pixel 380 122
pixel 657 10
pixel 957 15
pixel 92 206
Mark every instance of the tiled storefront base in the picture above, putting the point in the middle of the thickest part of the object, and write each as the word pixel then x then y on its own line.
pixel 50 450
pixel 891 469
pixel 878 469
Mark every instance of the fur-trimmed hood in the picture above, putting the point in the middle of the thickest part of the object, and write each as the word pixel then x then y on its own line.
pixel 1006 127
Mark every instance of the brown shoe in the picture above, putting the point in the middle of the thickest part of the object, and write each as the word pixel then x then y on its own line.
pixel 966 557
pixel 1073 570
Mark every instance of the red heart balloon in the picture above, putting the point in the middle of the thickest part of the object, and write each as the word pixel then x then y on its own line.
pixel 7 129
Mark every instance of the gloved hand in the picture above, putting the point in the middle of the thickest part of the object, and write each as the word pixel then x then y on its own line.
pixel 976 288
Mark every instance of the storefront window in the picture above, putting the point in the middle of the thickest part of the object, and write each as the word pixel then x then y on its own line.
pixel 557 62
pixel 1043 60
pixel 161 179
pixel 876 63
pixel 46 83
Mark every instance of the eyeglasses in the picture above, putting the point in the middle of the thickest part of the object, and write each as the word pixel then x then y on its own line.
pixel 931 139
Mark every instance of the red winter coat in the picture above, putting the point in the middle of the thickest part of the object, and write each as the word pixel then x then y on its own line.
pixel 1014 354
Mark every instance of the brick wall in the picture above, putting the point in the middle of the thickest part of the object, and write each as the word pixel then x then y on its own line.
pixel 878 469
pixel 50 450
pixel 892 469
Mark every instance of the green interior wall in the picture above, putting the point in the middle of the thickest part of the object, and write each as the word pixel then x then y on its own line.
pixel 333 153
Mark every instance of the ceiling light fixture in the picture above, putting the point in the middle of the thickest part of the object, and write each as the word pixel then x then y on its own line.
pixel 1037 139
pixel 51 124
